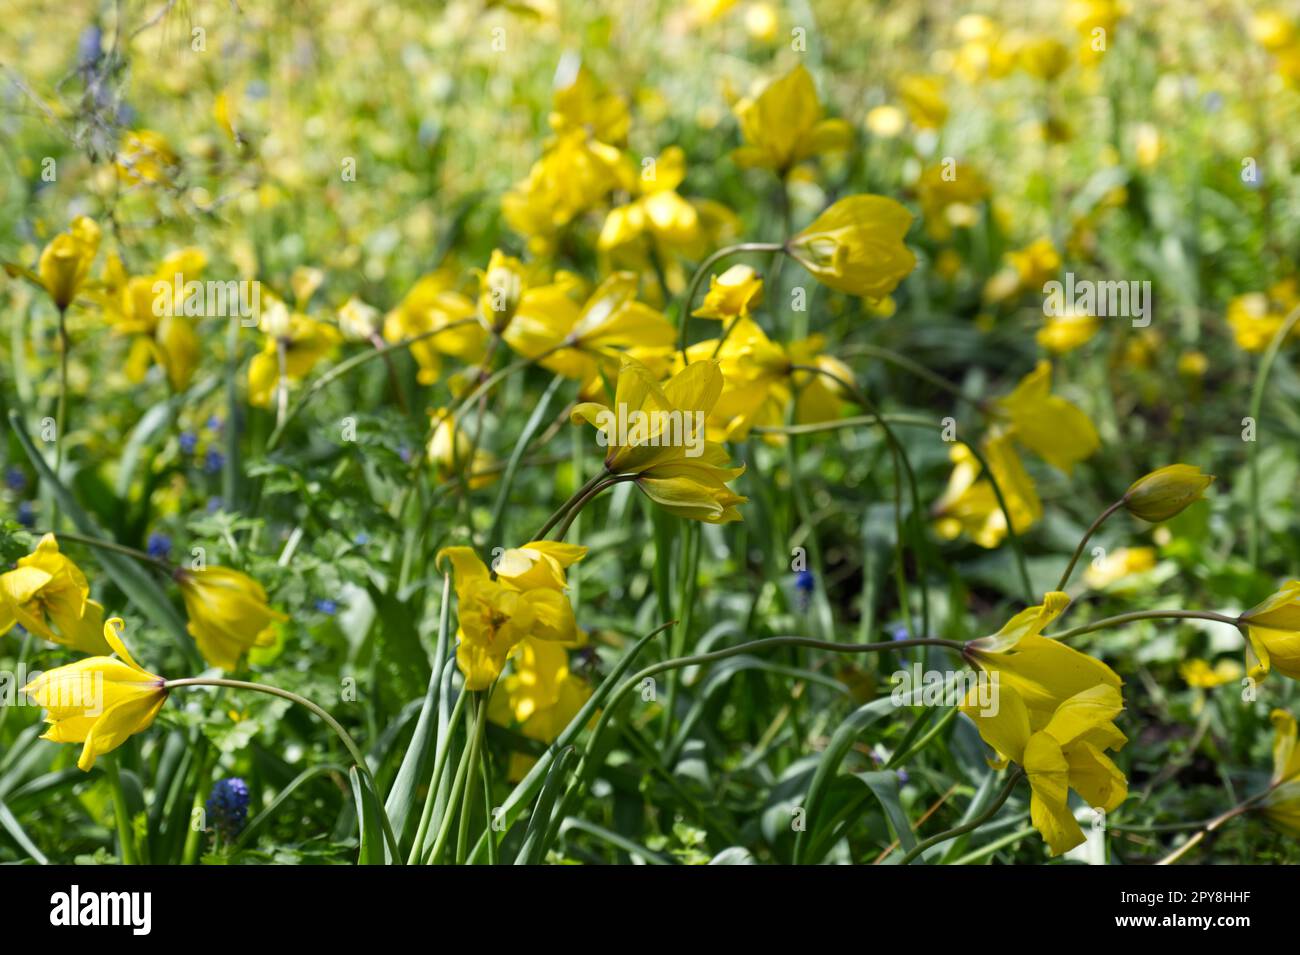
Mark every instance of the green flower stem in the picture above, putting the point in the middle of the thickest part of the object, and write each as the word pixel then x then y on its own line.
pixel 1256 407
pixel 966 827
pixel 1087 535
pixel 458 785
pixel 435 781
pixel 512 465
pixel 358 757
pixel 541 532
pixel 920 371
pixel 691 290
pixel 586 499
pixel 916 421
pixel 345 367
pixel 158 562
pixel 125 835
pixel 866 404
pixel 1209 827
pixel 61 409
pixel 1124 618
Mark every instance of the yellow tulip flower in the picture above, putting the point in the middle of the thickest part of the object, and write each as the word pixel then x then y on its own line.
pixel 433 304
pixel 501 287
pixel 1256 317
pixel 161 332
pixel 1118 564
pixel 582 344
pixel 657 433
pixel 924 101
pixel 1166 492
pixel 65 263
pixel 541 694
pixel 449 453
pixel 1053 428
pixel 1027 270
pixel 294 345
pixel 1282 805
pixel 496 613
pixel 734 293
pixel 1198 673
pixel 969 504
pixel 783 125
pixel 228 613
pixel 99 701
pixel 1044 672
pixel 948 197
pixel 1060 749
pixel 1273 628
pixel 659 212
pixel 48 595
pixel 856 246
pixel 760 380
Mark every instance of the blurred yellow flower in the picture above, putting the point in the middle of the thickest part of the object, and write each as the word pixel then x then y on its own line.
pixel 1044 57
pixel 969 504
pixel 434 308
pixel 1199 674
pixel 924 100
pixel 1117 564
pixel 47 594
pixel 1027 270
pixel 501 286
pixel 450 453
pixel 1256 317
pixel 783 125
pixel 856 246
pixel 735 292
pixel 886 121
pixel 1053 428
pixel 657 433
pixel 583 343
pixel 228 613
pixel 658 211
pixel 540 693
pixel 948 194
pixel 151 309
pixel 65 263
pixel 496 613
pixel 99 701
pixel 293 347
pixel 146 156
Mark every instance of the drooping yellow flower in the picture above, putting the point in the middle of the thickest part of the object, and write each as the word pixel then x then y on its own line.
pixel 65 263
pixel 856 246
pixel 541 694
pixel 450 452
pixel 48 595
pixel 760 379
pixel 496 613
pixel 1065 333
pixel 1060 749
pixel 146 156
pixel 1201 675
pixel 1117 564
pixel 1273 628
pixel 1027 270
pixel 658 212
pixel 657 433
pixel 1166 491
pixel 969 504
pixel 152 310
pixel 1282 805
pixel 1044 57
pixel 435 309
pixel 949 194
pixel 501 287
pixel 580 344
pixel 924 100
pixel 228 613
pixel 1044 672
pixel 735 292
pixel 294 345
pixel 1057 431
pixel 99 701
pixel 1256 317
pixel 783 125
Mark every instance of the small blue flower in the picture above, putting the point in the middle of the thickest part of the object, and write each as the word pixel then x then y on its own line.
pixel 228 807
pixel 214 505
pixel 16 479
pixel 213 460
pixel 327 606
pixel 899 631
pixel 215 423
pixel 362 539
pixel 805 581
pixel 405 453
pixel 189 441
pixel 160 546
pixel 26 514
pixel 902 776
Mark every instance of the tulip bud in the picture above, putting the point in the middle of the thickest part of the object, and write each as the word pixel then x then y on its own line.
pixel 1166 492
